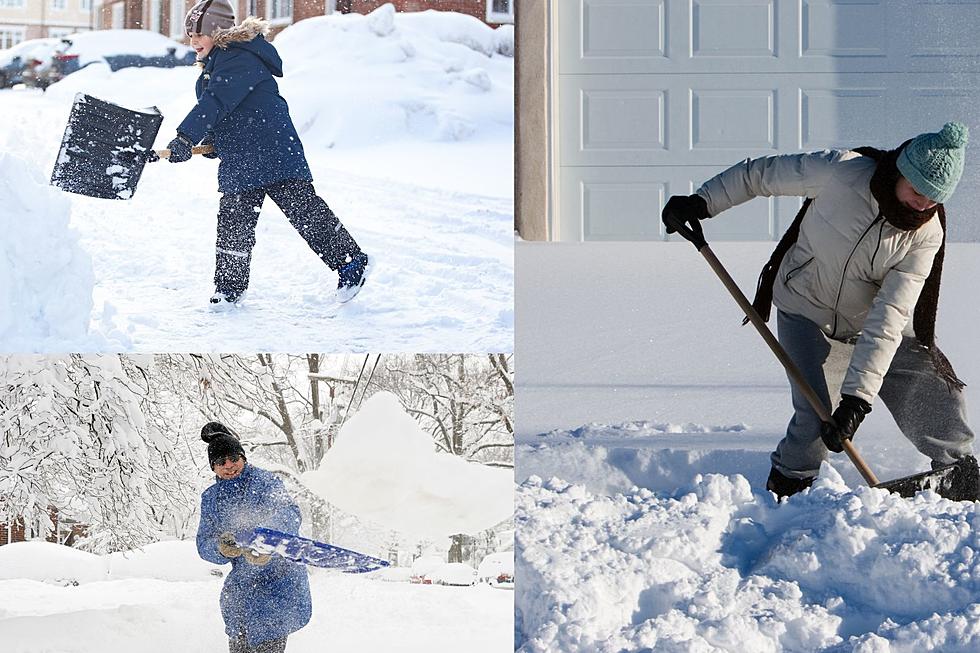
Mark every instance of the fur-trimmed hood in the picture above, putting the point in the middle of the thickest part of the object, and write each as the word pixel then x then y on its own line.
pixel 245 31
pixel 250 35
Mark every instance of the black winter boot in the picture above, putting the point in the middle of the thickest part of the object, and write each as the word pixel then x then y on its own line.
pixel 352 277
pixel 784 486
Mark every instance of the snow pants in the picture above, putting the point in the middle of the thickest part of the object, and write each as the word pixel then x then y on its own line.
pixel 240 645
pixel 931 415
pixel 309 214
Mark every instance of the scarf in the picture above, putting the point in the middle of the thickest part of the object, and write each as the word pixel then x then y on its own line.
pixel 898 215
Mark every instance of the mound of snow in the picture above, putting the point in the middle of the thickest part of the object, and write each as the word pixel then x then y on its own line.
pixel 54 563
pixel 715 567
pixel 50 563
pixel 384 468
pixel 46 279
pixel 431 76
pixel 453 573
pixel 171 561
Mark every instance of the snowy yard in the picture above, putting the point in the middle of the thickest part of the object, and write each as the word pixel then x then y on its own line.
pixel 141 607
pixel 407 122
pixel 647 415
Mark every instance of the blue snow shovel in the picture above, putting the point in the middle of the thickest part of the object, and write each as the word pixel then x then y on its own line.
pixel 105 147
pixel 959 481
pixel 310 552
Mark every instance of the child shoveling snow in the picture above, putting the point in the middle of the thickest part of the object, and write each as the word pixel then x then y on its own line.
pixel 240 112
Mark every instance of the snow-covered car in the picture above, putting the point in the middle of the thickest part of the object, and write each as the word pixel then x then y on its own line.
pixel 497 568
pixel 25 57
pixel 453 573
pixel 42 62
pixel 422 569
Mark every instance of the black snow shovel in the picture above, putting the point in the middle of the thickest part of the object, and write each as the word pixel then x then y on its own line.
pixel 105 147
pixel 959 481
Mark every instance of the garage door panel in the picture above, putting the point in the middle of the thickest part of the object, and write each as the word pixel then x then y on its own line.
pixel 622 120
pixel 712 33
pixel 832 28
pixel 733 119
pixel 608 32
pixel 837 117
pixel 625 203
pixel 944 32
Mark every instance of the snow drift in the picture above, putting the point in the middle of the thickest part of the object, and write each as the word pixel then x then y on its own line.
pixel 716 567
pixel 383 468
pixel 46 279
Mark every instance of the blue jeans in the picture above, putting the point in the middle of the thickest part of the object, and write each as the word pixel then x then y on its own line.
pixel 928 413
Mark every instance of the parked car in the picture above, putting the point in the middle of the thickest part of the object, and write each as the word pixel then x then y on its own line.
pixel 26 56
pixel 42 62
pixel 497 569
pixel 422 569
pixel 453 573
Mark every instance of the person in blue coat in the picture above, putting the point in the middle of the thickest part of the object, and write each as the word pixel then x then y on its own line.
pixel 241 114
pixel 265 598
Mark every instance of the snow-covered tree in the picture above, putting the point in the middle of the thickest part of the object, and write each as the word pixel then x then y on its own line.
pixel 75 438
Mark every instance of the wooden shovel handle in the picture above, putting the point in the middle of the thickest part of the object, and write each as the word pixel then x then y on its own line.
pixel 197 149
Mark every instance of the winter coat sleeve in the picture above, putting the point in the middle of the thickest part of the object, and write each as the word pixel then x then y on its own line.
pixel 236 73
pixel 890 312
pixel 207 535
pixel 800 175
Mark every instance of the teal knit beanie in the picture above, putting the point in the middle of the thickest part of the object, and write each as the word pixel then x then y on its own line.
pixel 933 163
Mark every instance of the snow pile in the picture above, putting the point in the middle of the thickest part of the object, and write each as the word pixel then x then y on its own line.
pixel 435 76
pixel 153 616
pixel 50 563
pixel 46 279
pixel 716 567
pixel 501 562
pixel 384 468
pixel 53 563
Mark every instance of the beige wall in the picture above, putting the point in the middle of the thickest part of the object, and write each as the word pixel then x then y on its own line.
pixel 39 17
pixel 531 121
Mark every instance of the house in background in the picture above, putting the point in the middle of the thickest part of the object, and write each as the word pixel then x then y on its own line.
pixel 167 16
pixel 31 19
pixel 65 531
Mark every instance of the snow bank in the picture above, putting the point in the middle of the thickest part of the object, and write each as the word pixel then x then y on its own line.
pixel 50 563
pixel 62 565
pixel 46 279
pixel 716 567
pixel 435 76
pixel 385 469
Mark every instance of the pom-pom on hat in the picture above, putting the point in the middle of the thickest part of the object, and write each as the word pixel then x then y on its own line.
pixel 206 16
pixel 933 163
pixel 221 440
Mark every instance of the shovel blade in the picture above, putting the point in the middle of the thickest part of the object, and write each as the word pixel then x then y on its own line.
pixel 104 148
pixel 959 481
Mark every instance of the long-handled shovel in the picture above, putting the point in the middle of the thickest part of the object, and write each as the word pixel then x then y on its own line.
pixel 105 147
pixel 959 481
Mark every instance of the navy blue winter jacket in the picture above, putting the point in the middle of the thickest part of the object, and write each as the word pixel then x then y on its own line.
pixel 266 602
pixel 241 112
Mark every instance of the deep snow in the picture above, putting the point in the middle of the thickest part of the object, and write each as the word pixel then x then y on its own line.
pixel 143 606
pixel 408 127
pixel 646 418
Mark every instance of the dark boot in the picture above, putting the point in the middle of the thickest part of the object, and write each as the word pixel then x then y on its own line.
pixel 784 486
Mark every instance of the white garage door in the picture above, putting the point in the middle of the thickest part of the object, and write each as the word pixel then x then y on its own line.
pixel 655 96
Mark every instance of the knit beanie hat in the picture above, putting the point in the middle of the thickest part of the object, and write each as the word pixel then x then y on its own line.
pixel 221 442
pixel 206 16
pixel 933 163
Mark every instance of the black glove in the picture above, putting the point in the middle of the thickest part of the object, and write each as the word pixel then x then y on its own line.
pixel 209 140
pixel 847 418
pixel 180 149
pixel 686 208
